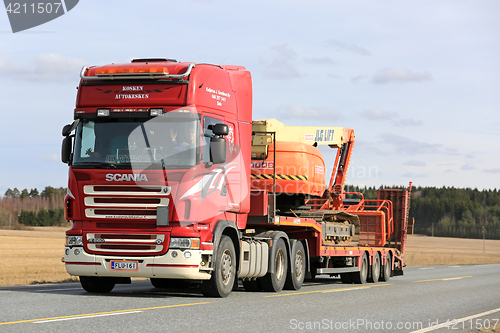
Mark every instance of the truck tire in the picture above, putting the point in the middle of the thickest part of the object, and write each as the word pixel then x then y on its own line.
pixel 361 276
pixel 96 284
pixel 386 271
pixel 375 269
pixel 222 281
pixel 297 272
pixel 275 281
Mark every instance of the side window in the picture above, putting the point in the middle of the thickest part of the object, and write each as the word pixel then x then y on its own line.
pixel 206 139
pixel 88 140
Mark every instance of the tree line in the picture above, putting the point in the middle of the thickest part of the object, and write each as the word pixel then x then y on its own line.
pixel 453 212
pixel 450 211
pixel 32 208
pixel 446 211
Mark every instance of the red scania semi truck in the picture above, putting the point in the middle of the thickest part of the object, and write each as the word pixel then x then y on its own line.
pixel 170 179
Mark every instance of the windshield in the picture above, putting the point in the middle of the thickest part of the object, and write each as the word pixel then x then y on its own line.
pixel 161 142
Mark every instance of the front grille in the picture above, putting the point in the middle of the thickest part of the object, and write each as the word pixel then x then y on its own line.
pixel 125 207
pixel 125 188
pixel 124 202
pixel 132 244
pixel 156 201
pixel 125 247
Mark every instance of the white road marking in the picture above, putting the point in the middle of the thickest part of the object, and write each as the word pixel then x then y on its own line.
pixel 457 320
pixel 85 317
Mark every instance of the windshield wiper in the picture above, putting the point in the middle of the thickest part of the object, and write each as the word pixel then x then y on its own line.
pixel 106 165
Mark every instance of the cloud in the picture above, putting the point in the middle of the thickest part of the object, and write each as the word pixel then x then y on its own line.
pixel 358 79
pixel 413 175
pixel 406 146
pixel 300 112
pixel 352 48
pixel 320 60
pixel 282 65
pixel 42 67
pixel 467 167
pixel 377 114
pixel 399 75
pixel 497 170
pixel 333 76
pixel 415 163
pixel 8 65
pixel 381 115
pixel 408 122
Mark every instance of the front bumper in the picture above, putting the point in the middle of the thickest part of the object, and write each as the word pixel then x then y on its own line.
pixel 81 263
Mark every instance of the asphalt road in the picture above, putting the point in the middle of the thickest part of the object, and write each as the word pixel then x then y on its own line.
pixel 423 299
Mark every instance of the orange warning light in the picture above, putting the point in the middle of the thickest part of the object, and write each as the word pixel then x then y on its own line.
pixel 131 70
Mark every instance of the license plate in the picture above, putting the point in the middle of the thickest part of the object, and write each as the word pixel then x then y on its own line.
pixel 124 266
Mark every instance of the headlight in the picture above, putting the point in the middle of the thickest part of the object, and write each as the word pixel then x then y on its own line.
pixel 185 243
pixel 74 241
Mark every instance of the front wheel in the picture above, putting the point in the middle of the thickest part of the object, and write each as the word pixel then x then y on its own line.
pixel 222 281
pixel 96 284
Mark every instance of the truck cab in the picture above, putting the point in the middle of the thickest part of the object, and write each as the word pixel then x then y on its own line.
pixel 156 167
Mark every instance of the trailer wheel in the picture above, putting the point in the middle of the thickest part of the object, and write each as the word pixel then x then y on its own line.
pixel 297 271
pixel 275 281
pixel 375 269
pixel 96 284
pixel 222 281
pixel 386 269
pixel 361 276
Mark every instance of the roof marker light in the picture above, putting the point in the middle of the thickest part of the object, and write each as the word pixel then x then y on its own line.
pixel 131 70
pixel 103 112
pixel 155 112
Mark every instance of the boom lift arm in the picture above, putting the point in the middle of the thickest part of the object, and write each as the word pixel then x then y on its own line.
pixel 339 172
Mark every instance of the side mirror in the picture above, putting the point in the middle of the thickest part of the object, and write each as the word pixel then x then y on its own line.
pixel 67 129
pixel 66 148
pixel 218 149
pixel 220 129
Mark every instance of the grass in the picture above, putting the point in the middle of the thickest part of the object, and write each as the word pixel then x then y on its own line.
pixel 431 251
pixel 34 256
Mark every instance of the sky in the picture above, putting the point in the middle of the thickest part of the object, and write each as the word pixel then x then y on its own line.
pixel 418 81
